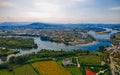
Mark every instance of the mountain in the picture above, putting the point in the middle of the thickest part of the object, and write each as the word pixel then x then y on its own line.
pixel 35 25
pixel 39 25
pixel 14 23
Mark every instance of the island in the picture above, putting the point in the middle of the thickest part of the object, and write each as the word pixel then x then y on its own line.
pixel 67 37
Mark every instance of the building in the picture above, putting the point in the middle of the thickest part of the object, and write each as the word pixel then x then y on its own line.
pixel 88 72
pixel 67 61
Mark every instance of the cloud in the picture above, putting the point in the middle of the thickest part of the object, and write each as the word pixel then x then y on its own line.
pixel 6 3
pixel 78 0
pixel 59 11
pixel 115 8
pixel 46 7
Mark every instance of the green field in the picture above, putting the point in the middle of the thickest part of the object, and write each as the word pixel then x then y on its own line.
pixel 90 59
pixel 19 70
pixel 98 53
pixel 5 72
pixel 24 70
pixel 74 70
pixel 118 36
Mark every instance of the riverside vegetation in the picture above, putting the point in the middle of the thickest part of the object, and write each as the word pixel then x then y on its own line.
pixel 17 42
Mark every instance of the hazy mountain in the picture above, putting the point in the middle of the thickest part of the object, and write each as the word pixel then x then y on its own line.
pixel 39 25
pixel 14 23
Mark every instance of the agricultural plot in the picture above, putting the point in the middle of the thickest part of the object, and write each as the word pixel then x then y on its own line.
pixel 118 36
pixel 19 70
pixel 5 72
pixel 90 59
pixel 74 70
pixel 50 68
pixel 24 70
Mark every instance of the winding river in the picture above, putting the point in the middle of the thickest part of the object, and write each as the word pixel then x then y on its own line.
pixel 57 46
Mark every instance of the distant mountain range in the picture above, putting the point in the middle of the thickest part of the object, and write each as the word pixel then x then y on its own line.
pixel 39 25
pixel 14 23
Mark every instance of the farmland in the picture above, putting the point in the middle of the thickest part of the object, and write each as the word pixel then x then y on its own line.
pixel 90 59
pixel 118 36
pixel 19 70
pixel 24 70
pixel 5 72
pixel 74 70
pixel 50 68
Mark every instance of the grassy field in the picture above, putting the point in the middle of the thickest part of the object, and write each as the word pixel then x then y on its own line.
pixel 90 59
pixel 118 36
pixel 24 70
pixel 98 53
pixel 74 70
pixel 50 68
pixel 5 72
pixel 19 70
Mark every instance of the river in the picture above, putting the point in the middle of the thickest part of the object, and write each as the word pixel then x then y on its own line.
pixel 57 46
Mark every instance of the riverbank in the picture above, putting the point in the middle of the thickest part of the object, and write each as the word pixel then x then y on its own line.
pixel 88 44
pixel 103 33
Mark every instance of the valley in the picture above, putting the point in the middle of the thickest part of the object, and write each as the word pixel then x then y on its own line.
pixel 77 50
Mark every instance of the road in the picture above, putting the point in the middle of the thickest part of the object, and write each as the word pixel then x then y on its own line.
pixel 112 65
pixel 78 64
pixel 1 61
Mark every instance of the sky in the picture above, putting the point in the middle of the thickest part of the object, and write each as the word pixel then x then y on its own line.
pixel 60 11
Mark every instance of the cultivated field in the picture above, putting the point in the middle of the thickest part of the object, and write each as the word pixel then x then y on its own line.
pixel 74 70
pixel 24 70
pixel 90 59
pixel 5 72
pixel 50 68
pixel 118 36
pixel 19 70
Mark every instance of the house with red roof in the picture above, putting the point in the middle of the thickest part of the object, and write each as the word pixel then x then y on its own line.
pixel 88 72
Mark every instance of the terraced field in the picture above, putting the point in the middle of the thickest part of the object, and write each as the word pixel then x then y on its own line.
pixel 50 68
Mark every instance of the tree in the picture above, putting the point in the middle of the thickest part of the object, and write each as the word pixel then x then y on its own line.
pixel 101 48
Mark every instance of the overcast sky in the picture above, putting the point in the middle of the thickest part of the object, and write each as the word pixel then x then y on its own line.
pixel 60 11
